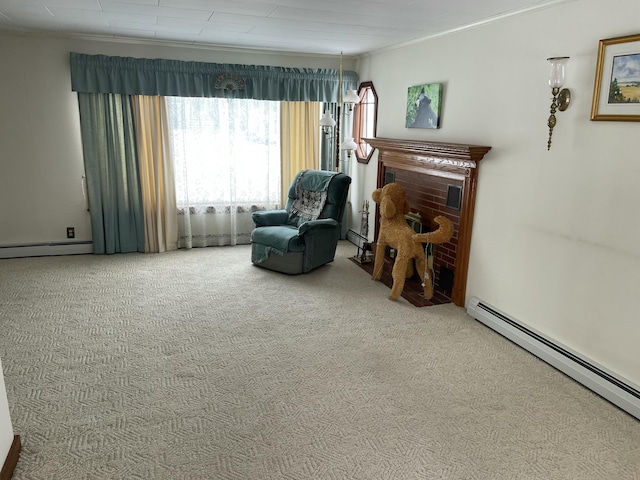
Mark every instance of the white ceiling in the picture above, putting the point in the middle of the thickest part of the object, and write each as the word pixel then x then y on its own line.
pixel 304 26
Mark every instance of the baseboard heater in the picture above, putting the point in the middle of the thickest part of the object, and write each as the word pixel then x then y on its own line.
pixel 355 238
pixel 45 249
pixel 593 377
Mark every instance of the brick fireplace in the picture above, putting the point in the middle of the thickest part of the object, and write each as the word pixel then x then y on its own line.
pixel 439 179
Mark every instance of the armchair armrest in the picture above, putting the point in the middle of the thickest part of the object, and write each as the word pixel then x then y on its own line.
pixel 266 218
pixel 320 240
pixel 315 225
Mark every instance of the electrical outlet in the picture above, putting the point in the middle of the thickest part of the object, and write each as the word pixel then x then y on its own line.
pixel 71 232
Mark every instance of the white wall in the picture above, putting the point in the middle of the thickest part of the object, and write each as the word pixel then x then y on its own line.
pixel 6 430
pixel 40 152
pixel 41 164
pixel 556 237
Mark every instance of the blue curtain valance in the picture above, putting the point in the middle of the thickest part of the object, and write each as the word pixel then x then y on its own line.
pixel 143 76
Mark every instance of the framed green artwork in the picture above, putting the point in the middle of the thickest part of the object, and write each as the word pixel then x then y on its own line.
pixel 424 104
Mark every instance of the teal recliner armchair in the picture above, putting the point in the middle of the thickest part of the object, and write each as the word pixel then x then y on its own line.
pixel 305 234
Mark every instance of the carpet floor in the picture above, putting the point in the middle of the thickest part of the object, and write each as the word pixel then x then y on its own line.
pixel 198 365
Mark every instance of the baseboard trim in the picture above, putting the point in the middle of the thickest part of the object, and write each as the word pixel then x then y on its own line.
pixel 45 249
pixel 616 390
pixel 12 459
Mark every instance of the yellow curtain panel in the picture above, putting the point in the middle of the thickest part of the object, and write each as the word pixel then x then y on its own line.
pixel 156 174
pixel 299 140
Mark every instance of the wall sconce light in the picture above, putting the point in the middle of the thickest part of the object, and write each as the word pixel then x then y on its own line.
pixel 561 96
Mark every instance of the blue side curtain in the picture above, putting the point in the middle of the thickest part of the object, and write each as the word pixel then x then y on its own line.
pixel 143 76
pixel 111 166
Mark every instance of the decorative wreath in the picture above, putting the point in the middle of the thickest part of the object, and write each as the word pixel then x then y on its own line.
pixel 229 82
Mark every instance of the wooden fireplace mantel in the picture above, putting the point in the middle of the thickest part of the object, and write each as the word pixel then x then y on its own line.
pixel 457 162
pixel 447 156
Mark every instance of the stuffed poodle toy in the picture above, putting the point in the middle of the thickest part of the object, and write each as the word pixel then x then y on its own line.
pixel 396 233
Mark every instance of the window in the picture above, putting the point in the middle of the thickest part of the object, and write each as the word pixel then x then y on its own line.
pixel 365 117
pixel 225 151
pixel 226 158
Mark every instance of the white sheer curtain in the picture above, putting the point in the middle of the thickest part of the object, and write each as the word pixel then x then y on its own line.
pixel 227 165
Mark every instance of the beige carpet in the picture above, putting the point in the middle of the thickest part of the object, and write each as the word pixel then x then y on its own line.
pixel 198 365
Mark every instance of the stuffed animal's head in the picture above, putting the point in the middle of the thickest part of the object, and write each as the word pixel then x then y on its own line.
pixel 392 200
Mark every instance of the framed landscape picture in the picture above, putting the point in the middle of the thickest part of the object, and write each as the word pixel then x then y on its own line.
pixel 424 103
pixel 616 92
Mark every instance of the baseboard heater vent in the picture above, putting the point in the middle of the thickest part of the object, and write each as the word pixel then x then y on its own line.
pixel 355 238
pixel 595 378
pixel 45 249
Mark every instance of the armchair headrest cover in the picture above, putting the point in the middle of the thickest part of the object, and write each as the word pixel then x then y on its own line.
pixel 314 180
pixel 335 184
pixel 311 196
